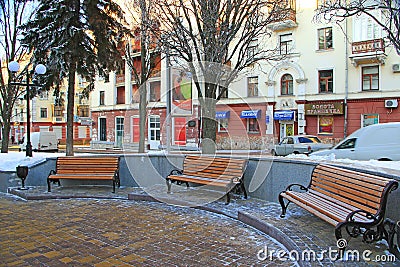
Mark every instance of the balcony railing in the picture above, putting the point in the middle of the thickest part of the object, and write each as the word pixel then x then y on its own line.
pixel 367 52
pixel 120 78
pixel 285 18
pixel 370 46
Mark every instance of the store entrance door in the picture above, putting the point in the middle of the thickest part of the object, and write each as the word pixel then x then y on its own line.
pixel 286 129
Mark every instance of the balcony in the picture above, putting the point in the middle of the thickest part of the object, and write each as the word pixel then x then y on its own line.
pixel 367 52
pixel 83 111
pixel 284 17
pixel 120 78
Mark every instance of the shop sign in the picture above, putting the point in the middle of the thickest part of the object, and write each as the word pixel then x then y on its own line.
pixel 324 109
pixel 250 114
pixel 222 114
pixel 86 121
pixel 284 115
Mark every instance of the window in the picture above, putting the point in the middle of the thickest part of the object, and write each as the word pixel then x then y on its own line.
pixel 350 143
pixel 252 49
pixel 223 125
pixel 325 125
pixel 102 129
pixel 83 111
pixel 223 90
pixel 285 44
pixel 135 93
pixel 155 91
pixel 325 81
pixel 43 95
pixel 82 132
pixel 102 94
pixel 252 86
pixel 369 119
pixel 43 113
pixel 58 111
pixel 325 38
pixel 287 84
pixel 370 78
pixel 252 126
pixel 121 95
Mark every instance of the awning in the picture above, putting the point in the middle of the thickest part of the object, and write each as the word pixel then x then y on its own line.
pixel 251 114
pixel 222 114
pixel 284 115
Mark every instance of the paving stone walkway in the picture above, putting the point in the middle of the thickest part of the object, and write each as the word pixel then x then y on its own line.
pixel 108 230
pixel 103 232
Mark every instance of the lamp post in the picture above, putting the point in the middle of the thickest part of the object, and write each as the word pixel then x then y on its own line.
pixel 13 66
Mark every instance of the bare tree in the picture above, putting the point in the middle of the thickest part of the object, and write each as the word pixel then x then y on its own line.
pixel 389 19
pixel 217 39
pixel 13 14
pixel 144 50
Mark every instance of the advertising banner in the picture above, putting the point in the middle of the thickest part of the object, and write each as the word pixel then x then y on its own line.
pixel 181 93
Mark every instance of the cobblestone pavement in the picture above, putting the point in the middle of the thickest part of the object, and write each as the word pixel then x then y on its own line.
pixel 177 236
pixel 104 232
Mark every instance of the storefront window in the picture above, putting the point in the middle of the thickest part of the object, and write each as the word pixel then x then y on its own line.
pixel 325 125
pixel 222 125
pixel 253 126
pixel 369 119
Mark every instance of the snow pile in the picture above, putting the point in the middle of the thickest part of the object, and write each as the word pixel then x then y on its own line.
pixel 9 161
pixel 388 167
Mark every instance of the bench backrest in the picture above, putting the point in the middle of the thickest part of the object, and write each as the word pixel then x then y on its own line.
pixel 80 165
pixel 364 191
pixel 214 167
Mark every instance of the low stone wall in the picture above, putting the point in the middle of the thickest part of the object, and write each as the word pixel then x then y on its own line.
pixel 264 177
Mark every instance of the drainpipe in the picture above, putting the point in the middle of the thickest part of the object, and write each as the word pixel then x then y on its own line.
pixel 168 81
pixel 346 81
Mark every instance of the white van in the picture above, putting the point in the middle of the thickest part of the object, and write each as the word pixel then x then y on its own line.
pixel 377 141
pixel 41 141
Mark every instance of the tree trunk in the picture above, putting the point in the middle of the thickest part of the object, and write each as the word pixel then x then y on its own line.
pixel 142 117
pixel 70 110
pixel 143 78
pixel 5 136
pixel 209 129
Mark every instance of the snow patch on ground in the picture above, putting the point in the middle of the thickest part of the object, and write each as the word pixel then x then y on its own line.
pixel 388 167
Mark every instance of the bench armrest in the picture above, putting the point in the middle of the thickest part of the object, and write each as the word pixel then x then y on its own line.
pixel 52 172
pixel 301 187
pixel 366 214
pixel 175 172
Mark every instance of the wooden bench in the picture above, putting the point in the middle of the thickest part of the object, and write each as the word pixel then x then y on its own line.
pixel 213 171
pixel 85 168
pixel 346 199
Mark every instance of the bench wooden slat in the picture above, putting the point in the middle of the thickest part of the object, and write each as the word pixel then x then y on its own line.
pixel 339 210
pixel 342 179
pixel 205 181
pixel 348 198
pixel 373 179
pixel 83 177
pixel 344 189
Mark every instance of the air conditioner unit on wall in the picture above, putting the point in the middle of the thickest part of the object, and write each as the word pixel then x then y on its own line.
pixel 396 67
pixel 391 103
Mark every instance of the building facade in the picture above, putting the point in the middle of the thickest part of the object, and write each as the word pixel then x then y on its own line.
pixel 329 80
pixel 48 113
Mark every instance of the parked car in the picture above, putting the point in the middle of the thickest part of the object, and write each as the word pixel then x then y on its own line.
pixel 298 144
pixel 41 141
pixel 377 141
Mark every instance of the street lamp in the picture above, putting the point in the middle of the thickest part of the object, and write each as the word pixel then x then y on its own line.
pixel 13 66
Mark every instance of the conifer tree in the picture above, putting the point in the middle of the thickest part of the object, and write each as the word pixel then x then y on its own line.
pixel 75 37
